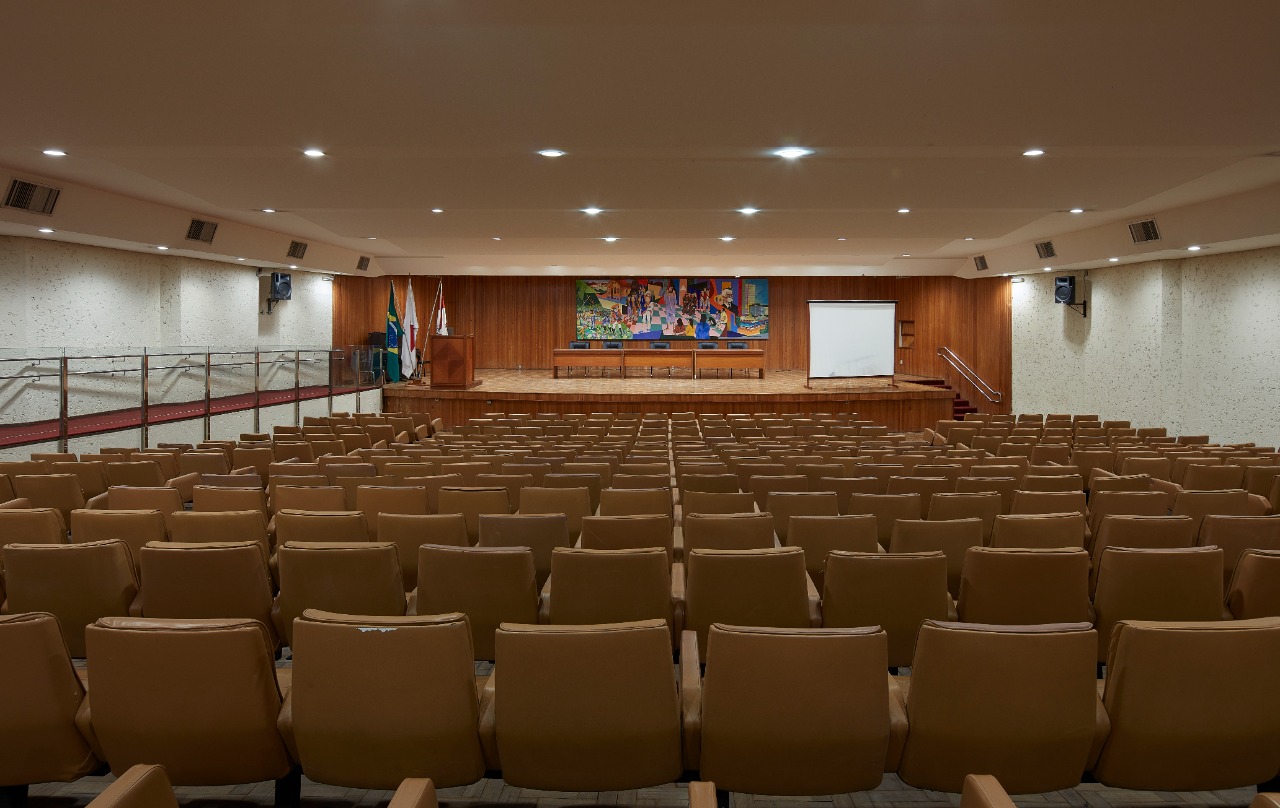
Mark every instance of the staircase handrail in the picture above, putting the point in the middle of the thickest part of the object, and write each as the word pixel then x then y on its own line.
pixel 988 392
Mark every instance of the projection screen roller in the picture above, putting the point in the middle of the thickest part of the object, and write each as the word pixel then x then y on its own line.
pixel 851 338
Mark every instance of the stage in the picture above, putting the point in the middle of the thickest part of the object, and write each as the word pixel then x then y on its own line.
pixel 904 406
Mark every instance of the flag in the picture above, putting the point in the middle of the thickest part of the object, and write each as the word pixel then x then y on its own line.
pixel 395 335
pixel 409 361
pixel 442 321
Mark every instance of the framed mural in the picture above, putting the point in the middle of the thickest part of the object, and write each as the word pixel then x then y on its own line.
pixel 654 308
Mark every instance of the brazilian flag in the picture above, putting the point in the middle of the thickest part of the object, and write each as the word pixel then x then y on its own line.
pixel 395 335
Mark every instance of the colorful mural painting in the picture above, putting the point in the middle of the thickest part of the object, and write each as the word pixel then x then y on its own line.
pixel 654 308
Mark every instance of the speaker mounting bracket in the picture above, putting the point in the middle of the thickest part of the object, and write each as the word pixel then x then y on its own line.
pixel 1082 307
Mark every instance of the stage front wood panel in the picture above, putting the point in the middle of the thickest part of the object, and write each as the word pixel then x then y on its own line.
pixel 519 321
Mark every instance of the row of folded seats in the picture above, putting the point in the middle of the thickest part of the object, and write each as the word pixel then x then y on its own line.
pixel 371 701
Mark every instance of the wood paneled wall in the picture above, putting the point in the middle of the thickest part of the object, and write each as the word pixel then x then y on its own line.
pixel 519 320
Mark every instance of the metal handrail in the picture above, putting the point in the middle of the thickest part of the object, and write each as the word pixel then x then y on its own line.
pixel 988 392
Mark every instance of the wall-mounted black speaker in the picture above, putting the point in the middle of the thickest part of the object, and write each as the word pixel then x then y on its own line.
pixel 1064 289
pixel 281 286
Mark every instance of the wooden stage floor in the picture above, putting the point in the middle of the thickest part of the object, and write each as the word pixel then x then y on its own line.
pixel 905 406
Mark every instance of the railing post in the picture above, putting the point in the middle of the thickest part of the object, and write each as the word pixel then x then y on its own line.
pixel 257 387
pixel 63 403
pixel 297 388
pixel 146 398
pixel 208 395
pixel 330 373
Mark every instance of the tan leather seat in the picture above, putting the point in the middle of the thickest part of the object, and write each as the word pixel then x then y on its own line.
pixel 306 498
pixel 1003 482
pixel 378 699
pixel 887 508
pixel 26 525
pixel 410 531
pixel 1140 532
pixel 588 587
pixel 196 696
pixel 1254 590
pixel 897 592
pixel 211 498
pixel 708 502
pixel 1105 482
pixel 1183 584
pixel 490 585
pixel 134 528
pixel 256 458
pixel 541 533
pixel 1032 725
pixel 77 583
pixel 843 487
pixel 758 727
pixel 193 527
pixel 210 580
pixel 471 502
pixel 349 578
pixel 1007 586
pixel 627 533
pixel 725 483
pixel 42 693
pixel 1193 706
pixel 731 531
pixel 344 527
pixel 1125 503
pixel 1199 504
pixel 167 501
pixel 926 487
pixel 982 505
pixel 60 491
pixel 784 505
pixel 142 786
pixel 1235 534
pixel 764 485
pixel 820 535
pixel 574 503
pixel 766 587
pixel 374 500
pixel 204 462
pixel 91 474
pixel 587 708
pixel 953 537
pixel 148 473
pixel 1039 530
pixel 636 502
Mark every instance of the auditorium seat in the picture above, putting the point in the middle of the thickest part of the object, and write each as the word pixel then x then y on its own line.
pixel 574 503
pixel 373 500
pixel 147 473
pixel 142 786
pixel 843 487
pixel 1254 589
pixel 375 700
pixel 766 587
pixel 42 693
pixel 490 585
pixel 1005 486
pixel 636 502
pixel 1040 530
pixel 350 578
pixel 27 525
pixel 1173 584
pixel 134 528
pixel 208 580
pixel 91 474
pixel 585 708
pixel 212 498
pixel 410 531
pixel 604 470
pixel 1174 688
pixel 306 498
pixel 732 531
pixel 190 527
pixel 13 468
pixel 628 533
pixel 1259 479
pixel 897 591
pixel 60 491
pixel 982 505
pixel 589 587
pixel 761 486
pixel 751 723
pixel 705 502
pixel 77 583
pixel 1030 502
pixel 320 526
pixel 541 533
pixel 1016 702
pixel 1235 534
pixel 167 501
pixel 203 462
pixel 1124 503
pixel 952 537
pixel 887 509
pixel 1017 587
pixel 820 535
pixel 198 697
pixel 784 505
pixel 472 501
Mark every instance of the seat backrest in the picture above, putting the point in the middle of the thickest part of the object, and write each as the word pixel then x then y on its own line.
pixel 473 501
pixel 134 528
pixel 1132 503
pixel 403 685
pixel 610 586
pixel 729 531
pixel 191 527
pixel 91 474
pixel 134 498
pixel 718 502
pixel 784 505
pixel 1157 468
pixel 43 693
pixel 887 509
pixel 77 583
pixel 350 578
pixel 926 487
pixel 762 732
pixel 587 707
pixel 1156 584
pixel 1235 534
pixel 60 491
pixel 1254 590
pixel 373 500
pixel 574 503
pixel 32 526
pixel 896 591
pixel 1032 726
pixel 1008 586
pixel 1171 686
pixel 745 588
pixel 1199 477
pixel 953 537
pixel 219 726
pixel 763 485
pixel 1005 486
pixel 627 533
pixel 636 502
pixel 1039 530
pixel 541 533
pixel 1198 504
pixel 1048 502
pixel 1102 483
pixel 490 585
pixel 204 462
pixel 410 531
pixel 217 579
pixel 320 526
pixel 209 498
pixel 307 497
pixel 1141 532
pixel 983 505
pixel 818 536
pixel 135 474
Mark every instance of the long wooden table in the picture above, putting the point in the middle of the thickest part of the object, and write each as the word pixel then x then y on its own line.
pixel 748 359
pixel 585 358
pixel 656 358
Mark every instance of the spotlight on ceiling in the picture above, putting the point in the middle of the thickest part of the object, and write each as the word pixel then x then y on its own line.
pixel 792 152
pixel 1033 152
pixel 552 152
pixel 314 152
pixel 592 211
pixel 726 238
pixel 55 153
pixel 748 211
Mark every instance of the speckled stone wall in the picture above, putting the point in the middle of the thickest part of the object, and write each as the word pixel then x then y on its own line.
pixel 1191 344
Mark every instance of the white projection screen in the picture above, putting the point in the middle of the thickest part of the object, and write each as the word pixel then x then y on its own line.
pixel 849 338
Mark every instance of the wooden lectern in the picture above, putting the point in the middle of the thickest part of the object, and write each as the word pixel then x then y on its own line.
pixel 453 361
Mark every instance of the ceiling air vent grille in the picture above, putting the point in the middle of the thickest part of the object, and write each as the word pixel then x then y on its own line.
pixel 1144 230
pixel 201 230
pixel 31 197
pixel 1044 249
pixel 297 249
pixel 363 263
pixel 980 261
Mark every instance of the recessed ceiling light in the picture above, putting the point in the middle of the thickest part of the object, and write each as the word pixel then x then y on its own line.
pixel 551 152
pixel 55 153
pixel 239 259
pixel 497 238
pixel 1194 248
pixel 1076 210
pixel 748 211
pixel 1113 260
pixel 904 210
pixel 370 238
pixel 1047 269
pixel 437 210
pixel 841 238
pixel 592 211
pixel 293 266
pixel 268 210
pixel 726 238
pixel 46 230
pixel 1033 152
pixel 968 238
pixel 906 255
pixel 314 153
pixel 1004 274
pixel 610 239
pixel 161 247
pixel 792 152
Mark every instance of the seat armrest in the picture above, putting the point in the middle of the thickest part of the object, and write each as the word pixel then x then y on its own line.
pixel 135 608
pixel 1170 491
pixel 702 794
pixel 544 603
pixel 186 484
pixel 84 723
pixel 1101 729
pixel 815 602
pixel 411 602
pixel 952 614
pixel 284 724
pixel 691 700
pixel 245 470
pixel 278 618
pixel 97 503
pixel 414 792
pixel 897 726
pixel 488 724
pixel 1259 505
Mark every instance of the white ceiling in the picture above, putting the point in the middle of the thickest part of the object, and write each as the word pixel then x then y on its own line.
pixel 667 109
